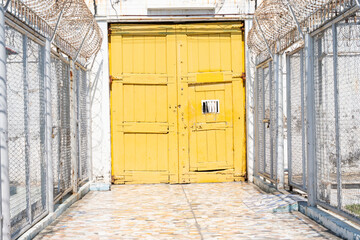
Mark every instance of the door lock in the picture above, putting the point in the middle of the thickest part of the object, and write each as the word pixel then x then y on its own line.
pixel 267 120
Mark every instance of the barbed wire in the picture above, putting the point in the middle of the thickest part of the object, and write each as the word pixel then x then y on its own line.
pixel 273 20
pixel 76 24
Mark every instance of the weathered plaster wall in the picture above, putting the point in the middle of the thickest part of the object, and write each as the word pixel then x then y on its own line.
pixel 100 116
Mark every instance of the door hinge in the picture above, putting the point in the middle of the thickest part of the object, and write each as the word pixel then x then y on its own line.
pixel 120 179
pixel 243 76
pixel 239 175
pixel 111 79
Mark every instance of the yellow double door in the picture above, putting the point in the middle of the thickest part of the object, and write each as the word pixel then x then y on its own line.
pixel 177 103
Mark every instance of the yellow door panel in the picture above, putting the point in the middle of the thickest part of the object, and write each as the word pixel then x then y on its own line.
pixel 162 75
pixel 142 108
pixel 215 49
pixel 152 156
pixel 210 68
pixel 209 131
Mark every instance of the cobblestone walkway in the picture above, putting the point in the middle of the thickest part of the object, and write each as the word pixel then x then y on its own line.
pixel 195 211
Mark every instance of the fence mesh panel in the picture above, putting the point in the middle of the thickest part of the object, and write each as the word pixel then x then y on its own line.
pixel 260 117
pixel 65 140
pixel 55 133
pixel 83 138
pixel 77 115
pixel 325 119
pixel 273 122
pixel 349 113
pixel 266 120
pixel 26 120
pixel 297 127
pixel 36 131
pixel 16 127
pixel 267 90
pixel 61 126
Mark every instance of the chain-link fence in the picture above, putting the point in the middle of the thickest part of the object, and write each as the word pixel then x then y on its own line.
pixel 38 56
pixel 82 127
pixel 259 118
pixel 322 110
pixel 27 125
pixel 337 95
pixel 296 119
pixel 61 152
pixel 18 145
pixel 266 121
pixel 348 72
pixel 26 129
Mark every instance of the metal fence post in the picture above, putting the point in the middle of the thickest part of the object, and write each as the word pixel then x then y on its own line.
pixel 26 127
pixel 288 130
pixel 5 181
pixel 256 128
pixel 279 125
pixel 263 124
pixel 48 132
pixel 311 131
pixel 88 110
pixel 73 128
pixel 272 115
pixel 337 128
pixel 303 106
pixel 78 121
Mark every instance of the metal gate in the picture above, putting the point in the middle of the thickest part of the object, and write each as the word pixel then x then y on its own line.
pixel 25 87
pixel 82 115
pixel 266 119
pixel 296 119
pixel 61 148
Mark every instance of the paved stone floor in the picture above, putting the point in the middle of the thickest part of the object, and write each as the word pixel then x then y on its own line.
pixel 195 211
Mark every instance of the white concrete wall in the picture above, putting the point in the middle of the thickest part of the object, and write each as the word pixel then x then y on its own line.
pixel 100 115
pixel 117 9
pixel 144 10
pixel 250 107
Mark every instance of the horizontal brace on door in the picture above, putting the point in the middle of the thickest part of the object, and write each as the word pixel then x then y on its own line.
pixel 206 78
pixel 209 129
pixel 224 169
pixel 211 126
pixel 144 79
pixel 218 170
pixel 145 128
pixel 204 83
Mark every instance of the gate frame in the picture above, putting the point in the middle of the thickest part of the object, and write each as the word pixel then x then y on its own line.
pixel 301 51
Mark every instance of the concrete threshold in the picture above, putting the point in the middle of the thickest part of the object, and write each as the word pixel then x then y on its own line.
pixel 334 224
pixel 266 187
pixel 51 217
pixel 100 187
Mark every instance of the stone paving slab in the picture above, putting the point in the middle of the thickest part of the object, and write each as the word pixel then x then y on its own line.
pixel 194 211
